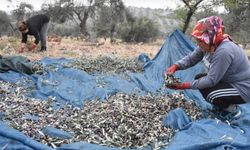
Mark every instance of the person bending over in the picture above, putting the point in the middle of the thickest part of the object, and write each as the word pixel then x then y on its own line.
pixel 36 26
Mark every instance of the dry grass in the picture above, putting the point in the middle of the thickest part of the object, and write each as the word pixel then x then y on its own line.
pixel 74 48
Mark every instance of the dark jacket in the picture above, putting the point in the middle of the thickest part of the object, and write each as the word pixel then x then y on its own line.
pixel 35 24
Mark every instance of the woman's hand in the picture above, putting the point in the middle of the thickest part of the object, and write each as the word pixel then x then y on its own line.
pixel 22 47
pixel 33 47
pixel 172 69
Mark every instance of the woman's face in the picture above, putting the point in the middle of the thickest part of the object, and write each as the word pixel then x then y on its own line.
pixel 204 46
pixel 23 28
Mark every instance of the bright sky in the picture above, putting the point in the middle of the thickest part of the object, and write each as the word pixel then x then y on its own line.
pixel 137 3
pixel 151 3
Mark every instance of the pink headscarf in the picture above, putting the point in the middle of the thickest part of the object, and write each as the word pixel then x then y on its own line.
pixel 210 30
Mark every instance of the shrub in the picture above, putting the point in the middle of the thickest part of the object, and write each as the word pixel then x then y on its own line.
pixel 141 30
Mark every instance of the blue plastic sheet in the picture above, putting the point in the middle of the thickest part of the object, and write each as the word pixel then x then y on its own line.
pixel 72 86
pixel 177 119
pixel 11 139
pixel 211 134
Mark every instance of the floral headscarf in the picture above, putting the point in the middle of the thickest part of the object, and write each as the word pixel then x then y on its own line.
pixel 210 30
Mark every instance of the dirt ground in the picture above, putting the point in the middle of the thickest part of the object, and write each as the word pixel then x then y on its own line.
pixel 74 48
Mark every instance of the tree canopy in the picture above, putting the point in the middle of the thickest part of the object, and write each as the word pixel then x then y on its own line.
pixel 112 19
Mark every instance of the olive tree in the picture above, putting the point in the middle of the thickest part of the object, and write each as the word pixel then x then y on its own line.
pixel 79 11
pixel 142 29
pixel 108 17
pixel 5 24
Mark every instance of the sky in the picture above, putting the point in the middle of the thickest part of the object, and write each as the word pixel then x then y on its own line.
pixel 137 3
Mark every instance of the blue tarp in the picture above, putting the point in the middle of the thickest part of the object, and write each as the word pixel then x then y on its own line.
pixel 72 86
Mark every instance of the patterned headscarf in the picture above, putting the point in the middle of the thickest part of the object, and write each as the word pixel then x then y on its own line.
pixel 210 30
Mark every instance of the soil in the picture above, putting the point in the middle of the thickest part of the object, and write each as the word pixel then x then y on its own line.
pixel 74 48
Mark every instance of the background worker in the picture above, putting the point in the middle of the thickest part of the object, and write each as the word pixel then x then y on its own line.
pixel 227 82
pixel 38 27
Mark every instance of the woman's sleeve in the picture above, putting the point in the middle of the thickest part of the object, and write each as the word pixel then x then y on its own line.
pixel 191 59
pixel 218 67
pixel 24 38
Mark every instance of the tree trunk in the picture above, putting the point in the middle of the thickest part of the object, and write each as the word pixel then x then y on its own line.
pixel 83 24
pixel 187 21
pixel 192 9
pixel 83 28
pixel 112 31
pixel 13 30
